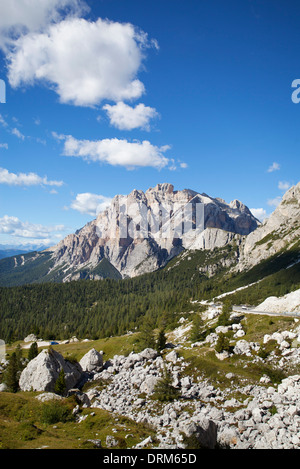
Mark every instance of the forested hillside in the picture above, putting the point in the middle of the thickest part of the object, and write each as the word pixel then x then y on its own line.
pixel 97 309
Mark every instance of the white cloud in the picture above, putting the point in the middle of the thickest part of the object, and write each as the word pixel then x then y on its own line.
pixel 284 185
pixel 125 117
pixel 23 16
pixel 274 167
pixel 23 179
pixel 116 152
pixel 4 145
pixel 18 134
pixel 91 204
pixel 275 202
pixel 14 227
pixel 183 165
pixel 3 121
pixel 84 62
pixel 259 213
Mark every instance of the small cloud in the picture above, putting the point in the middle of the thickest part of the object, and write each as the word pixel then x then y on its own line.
pixel 3 121
pixel 125 117
pixel 116 152
pixel 275 202
pixel 14 227
pixel 90 204
pixel 259 213
pixel 284 185
pixel 183 165
pixel 18 134
pixel 23 179
pixel 274 167
pixel 4 145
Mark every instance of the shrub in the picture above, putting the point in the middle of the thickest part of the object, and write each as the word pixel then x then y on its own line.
pixel 54 411
pixel 222 344
pixel 164 391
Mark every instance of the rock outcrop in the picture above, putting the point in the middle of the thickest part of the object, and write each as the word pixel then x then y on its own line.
pixel 92 361
pixel 278 233
pixel 42 372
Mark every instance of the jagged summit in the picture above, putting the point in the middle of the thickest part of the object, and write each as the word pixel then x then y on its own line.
pixel 147 251
pixel 142 231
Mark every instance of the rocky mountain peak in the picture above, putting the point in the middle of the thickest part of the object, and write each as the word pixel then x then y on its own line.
pixel 144 249
pixel 277 233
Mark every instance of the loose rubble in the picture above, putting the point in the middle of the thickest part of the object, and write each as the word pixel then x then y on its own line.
pixel 260 415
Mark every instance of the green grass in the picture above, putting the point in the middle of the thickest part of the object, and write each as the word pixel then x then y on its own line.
pixel 23 426
pixel 120 345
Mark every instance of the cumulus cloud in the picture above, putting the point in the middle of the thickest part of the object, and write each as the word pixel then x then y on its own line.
pixel 259 213
pixel 125 117
pixel 14 227
pixel 23 179
pixel 84 62
pixel 274 167
pixel 116 152
pixel 91 204
pixel 23 16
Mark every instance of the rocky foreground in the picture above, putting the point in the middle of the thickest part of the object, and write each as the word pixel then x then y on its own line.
pixel 261 416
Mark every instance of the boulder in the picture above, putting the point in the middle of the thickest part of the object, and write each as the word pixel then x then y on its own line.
pixel 172 357
pixel 92 361
pixel 203 429
pixel 149 384
pixel 31 338
pixel 42 372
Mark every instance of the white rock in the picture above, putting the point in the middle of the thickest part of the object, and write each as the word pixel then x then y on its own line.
pixel 42 372
pixel 92 361
pixel 172 357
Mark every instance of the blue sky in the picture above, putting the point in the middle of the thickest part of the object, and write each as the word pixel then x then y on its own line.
pixel 106 96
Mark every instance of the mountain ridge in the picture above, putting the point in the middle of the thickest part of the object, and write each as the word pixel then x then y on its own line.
pixel 79 255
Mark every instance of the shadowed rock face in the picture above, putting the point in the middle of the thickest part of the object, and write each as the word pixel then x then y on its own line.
pixel 153 233
pixel 279 232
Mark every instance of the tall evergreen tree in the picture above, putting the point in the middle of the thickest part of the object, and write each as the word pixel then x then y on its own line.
pixel 60 385
pixel 11 375
pixel 164 390
pixel 161 340
pixel 147 337
pixel 33 351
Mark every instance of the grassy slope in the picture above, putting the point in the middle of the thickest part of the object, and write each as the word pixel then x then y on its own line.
pixel 23 426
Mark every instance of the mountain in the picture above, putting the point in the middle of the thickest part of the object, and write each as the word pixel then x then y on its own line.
pixel 138 233
pixel 277 236
pixel 9 250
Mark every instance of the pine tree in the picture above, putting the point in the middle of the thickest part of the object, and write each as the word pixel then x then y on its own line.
pixel 222 344
pixel 196 333
pixel 161 340
pixel 11 375
pixel 60 385
pixel 147 338
pixel 164 390
pixel 33 351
